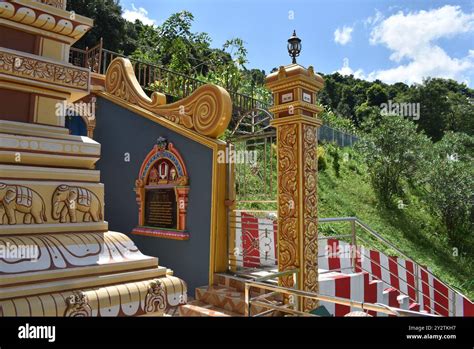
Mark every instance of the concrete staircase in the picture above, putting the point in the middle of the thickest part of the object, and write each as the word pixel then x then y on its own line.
pixel 226 296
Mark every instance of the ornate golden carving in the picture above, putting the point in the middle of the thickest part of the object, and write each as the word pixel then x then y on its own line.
pixel 12 63
pixel 31 16
pixel 155 298
pixel 207 110
pixel 18 198
pixel 310 228
pixel 78 305
pixel 288 200
pixel 121 82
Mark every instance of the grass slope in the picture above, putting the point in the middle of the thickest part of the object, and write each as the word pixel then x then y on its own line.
pixel 412 229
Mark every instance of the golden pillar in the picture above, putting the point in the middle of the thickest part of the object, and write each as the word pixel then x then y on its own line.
pixel 295 112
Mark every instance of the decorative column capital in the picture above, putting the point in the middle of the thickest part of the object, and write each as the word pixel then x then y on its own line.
pixel 294 89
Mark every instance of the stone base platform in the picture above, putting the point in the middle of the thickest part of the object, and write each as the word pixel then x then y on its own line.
pixel 83 274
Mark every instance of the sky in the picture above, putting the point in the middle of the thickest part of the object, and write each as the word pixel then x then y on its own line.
pixel 399 40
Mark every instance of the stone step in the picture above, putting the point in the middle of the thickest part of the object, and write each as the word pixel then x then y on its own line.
pixel 227 298
pixel 197 308
pixel 222 297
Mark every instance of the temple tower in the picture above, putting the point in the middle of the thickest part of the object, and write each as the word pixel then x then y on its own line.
pixel 57 257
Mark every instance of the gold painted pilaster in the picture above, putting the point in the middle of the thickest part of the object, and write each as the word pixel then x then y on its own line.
pixel 297 125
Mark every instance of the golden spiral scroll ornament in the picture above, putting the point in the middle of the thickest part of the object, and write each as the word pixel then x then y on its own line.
pixel 207 111
pixel 121 82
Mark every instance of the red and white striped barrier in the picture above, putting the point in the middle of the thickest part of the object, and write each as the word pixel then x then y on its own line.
pixel 255 241
pixel 386 279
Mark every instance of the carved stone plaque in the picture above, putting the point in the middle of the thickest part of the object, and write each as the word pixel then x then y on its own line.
pixel 160 208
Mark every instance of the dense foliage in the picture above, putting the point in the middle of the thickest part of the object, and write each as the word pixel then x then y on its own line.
pixel 394 151
pixel 444 105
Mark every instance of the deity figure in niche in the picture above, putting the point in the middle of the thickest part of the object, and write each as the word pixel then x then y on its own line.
pixel 173 175
pixel 153 176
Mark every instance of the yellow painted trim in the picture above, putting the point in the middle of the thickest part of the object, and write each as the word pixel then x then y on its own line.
pixel 297 119
pixel 30 86
pixel 34 173
pixel 298 104
pixel 47 228
pixel 218 248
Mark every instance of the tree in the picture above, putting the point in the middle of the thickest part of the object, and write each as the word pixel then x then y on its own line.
pixel 365 112
pixel 434 106
pixel 108 23
pixel 346 105
pixel 393 151
pixel 460 116
pixel 450 182
pixel 376 95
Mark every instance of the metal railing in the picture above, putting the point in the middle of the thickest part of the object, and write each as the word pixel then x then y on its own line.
pixel 295 297
pixel 331 135
pixel 354 238
pixel 152 77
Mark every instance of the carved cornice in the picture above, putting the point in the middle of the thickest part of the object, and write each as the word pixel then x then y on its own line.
pixel 294 75
pixel 207 111
pixel 51 18
pixel 23 65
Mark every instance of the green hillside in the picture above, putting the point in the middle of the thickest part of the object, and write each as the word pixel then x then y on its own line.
pixel 412 229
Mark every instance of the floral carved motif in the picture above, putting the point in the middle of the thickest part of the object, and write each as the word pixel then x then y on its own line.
pixel 78 305
pixel 310 237
pixel 44 71
pixel 156 297
pixel 288 200
pixel 207 111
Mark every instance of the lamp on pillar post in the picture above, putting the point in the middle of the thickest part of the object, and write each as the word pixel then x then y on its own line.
pixel 294 90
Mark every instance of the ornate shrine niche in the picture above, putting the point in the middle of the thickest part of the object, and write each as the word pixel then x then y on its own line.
pixel 162 193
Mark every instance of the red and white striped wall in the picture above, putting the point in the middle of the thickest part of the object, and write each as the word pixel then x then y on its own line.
pixel 255 241
pixel 386 279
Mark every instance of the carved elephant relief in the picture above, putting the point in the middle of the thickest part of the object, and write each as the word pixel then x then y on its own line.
pixel 18 198
pixel 67 200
